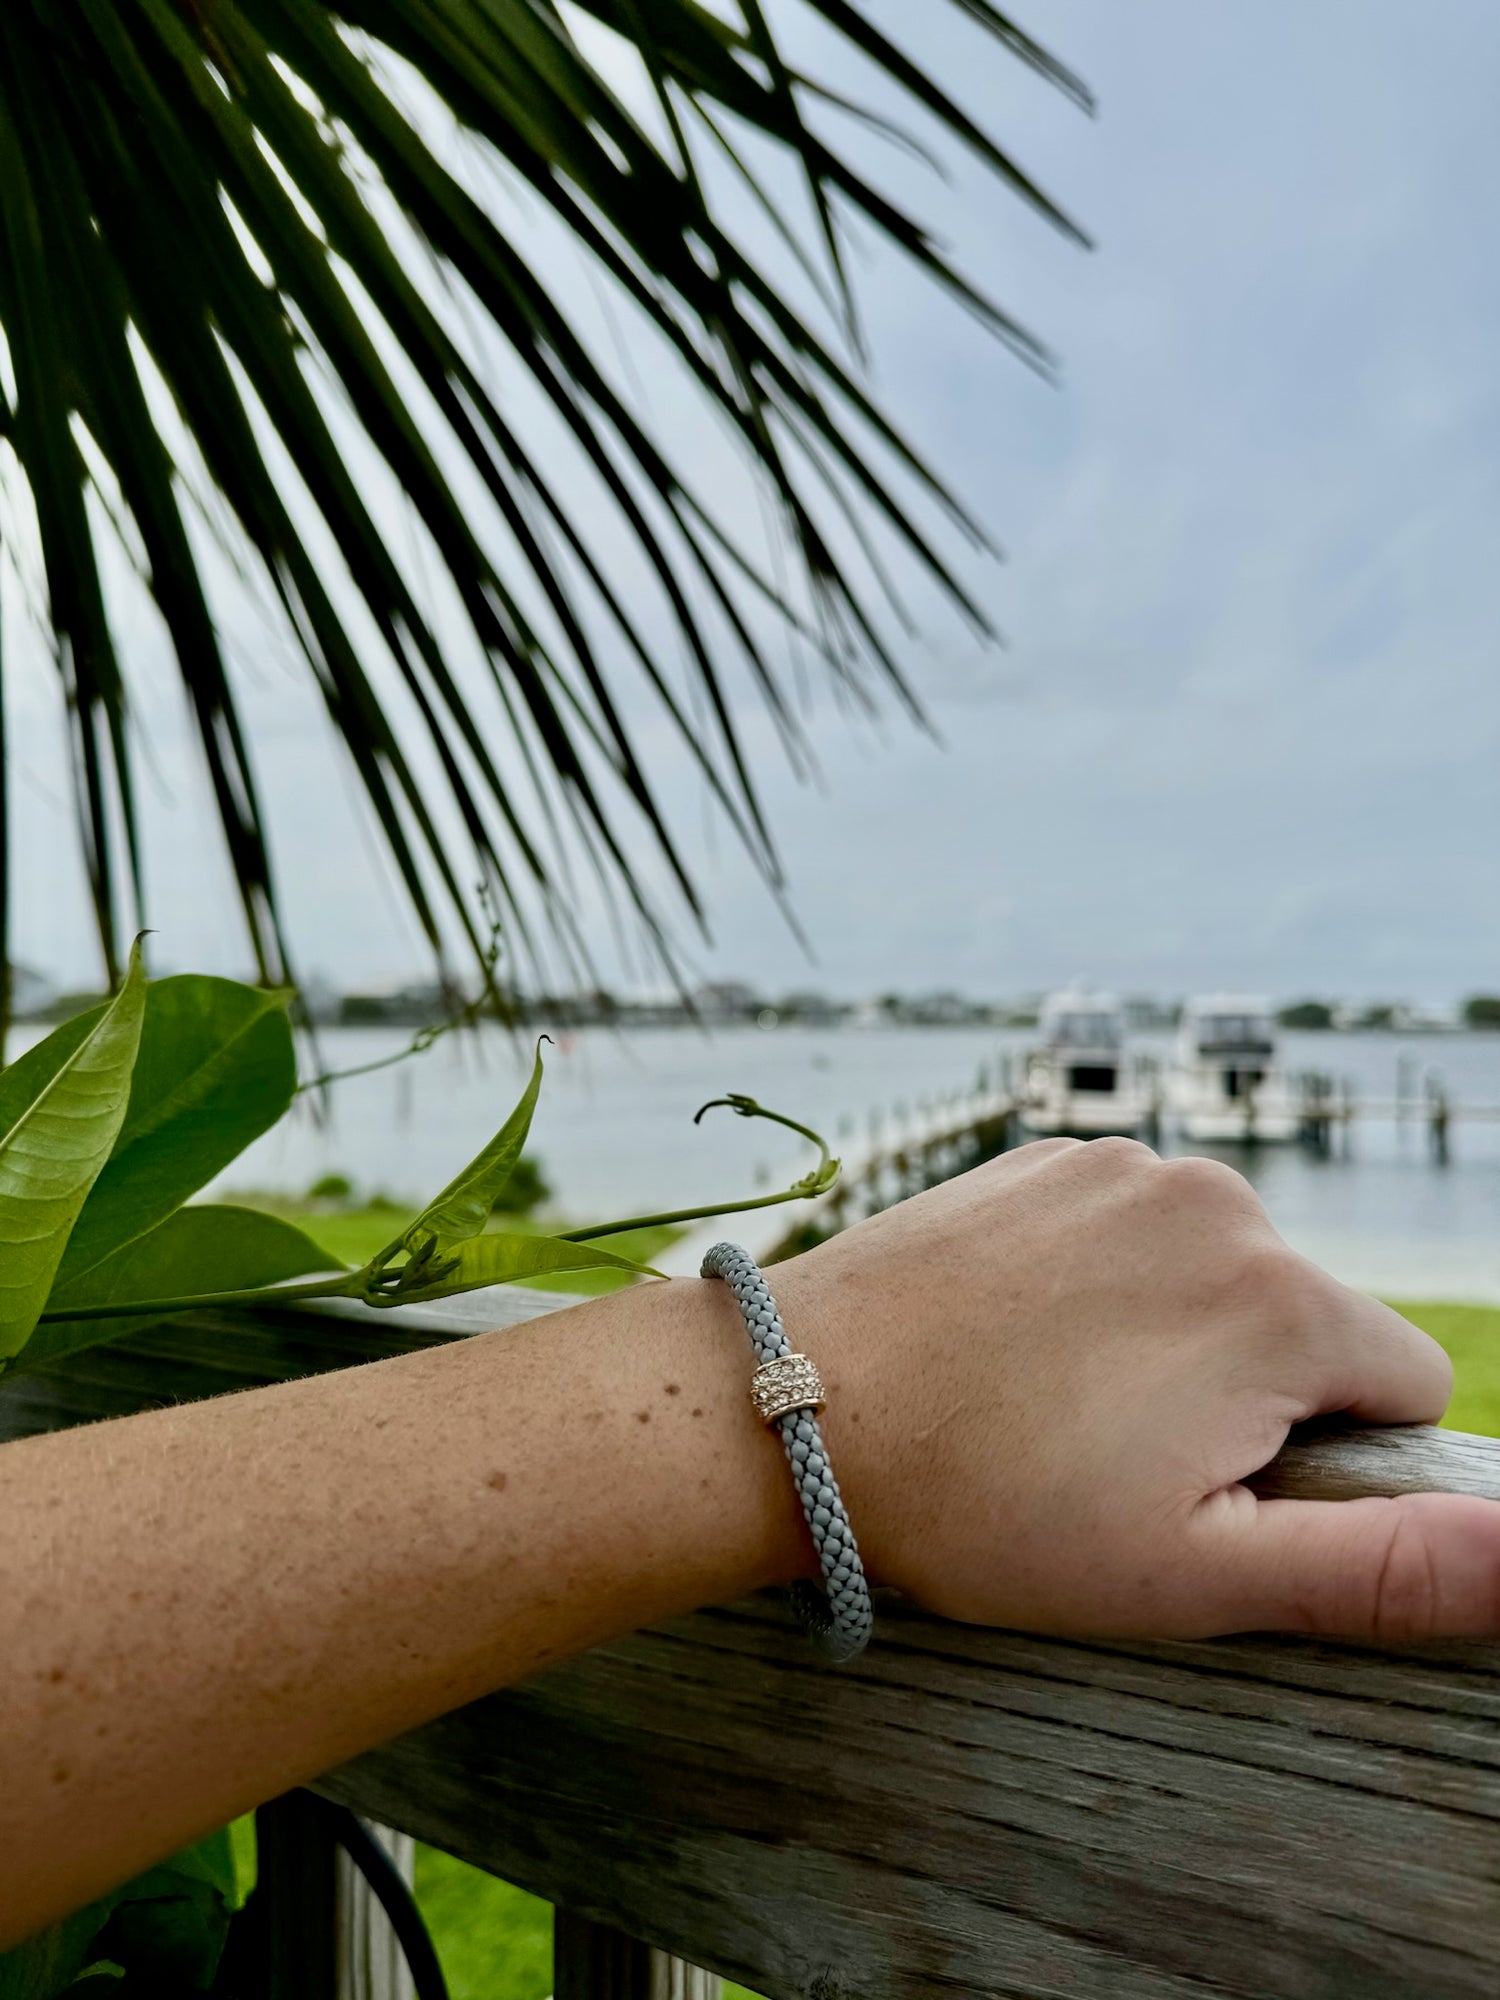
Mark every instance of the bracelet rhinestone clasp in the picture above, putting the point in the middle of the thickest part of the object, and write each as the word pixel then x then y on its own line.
pixel 790 1382
pixel 787 1392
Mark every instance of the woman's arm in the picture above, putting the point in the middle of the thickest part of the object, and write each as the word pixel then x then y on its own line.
pixel 1046 1380
pixel 205 1605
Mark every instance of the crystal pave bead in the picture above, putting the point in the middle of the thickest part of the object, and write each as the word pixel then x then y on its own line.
pixel 790 1382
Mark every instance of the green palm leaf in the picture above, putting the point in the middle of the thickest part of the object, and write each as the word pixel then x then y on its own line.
pixel 228 243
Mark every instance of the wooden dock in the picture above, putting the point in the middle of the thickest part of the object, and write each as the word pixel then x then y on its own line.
pixel 1330 1107
pixel 900 1152
pixel 912 1146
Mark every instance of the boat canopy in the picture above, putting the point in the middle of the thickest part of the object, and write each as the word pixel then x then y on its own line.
pixel 1081 1021
pixel 1224 1024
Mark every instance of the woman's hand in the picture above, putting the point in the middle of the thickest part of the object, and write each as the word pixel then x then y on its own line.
pixel 1049 1378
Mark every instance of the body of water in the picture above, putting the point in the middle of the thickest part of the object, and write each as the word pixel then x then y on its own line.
pixel 614 1131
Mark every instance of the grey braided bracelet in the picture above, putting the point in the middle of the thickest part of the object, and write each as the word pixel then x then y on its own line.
pixel 786 1391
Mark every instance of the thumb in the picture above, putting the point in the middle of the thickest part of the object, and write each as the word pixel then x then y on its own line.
pixel 1424 1566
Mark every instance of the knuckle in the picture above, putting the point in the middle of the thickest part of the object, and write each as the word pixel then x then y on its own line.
pixel 1117 1152
pixel 1437 1365
pixel 1263 1273
pixel 1404 1595
pixel 1042 1149
pixel 1017 1162
pixel 1208 1182
pixel 1244 1270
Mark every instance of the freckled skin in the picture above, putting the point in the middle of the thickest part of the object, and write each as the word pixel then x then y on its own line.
pixel 1062 1318
pixel 159 1679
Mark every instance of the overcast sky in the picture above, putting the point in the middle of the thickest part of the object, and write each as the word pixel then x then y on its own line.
pixel 1247 725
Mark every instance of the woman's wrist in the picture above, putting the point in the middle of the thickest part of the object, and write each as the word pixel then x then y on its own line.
pixel 862 1404
pixel 847 1350
pixel 787 1393
pixel 755 1523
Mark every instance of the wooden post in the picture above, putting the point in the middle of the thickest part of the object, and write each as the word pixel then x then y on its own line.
pixel 1437 1116
pixel 594 1962
pixel 284 1945
pixel 372 1965
pixel 313 1929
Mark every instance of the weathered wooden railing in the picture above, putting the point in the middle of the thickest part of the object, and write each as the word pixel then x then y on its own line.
pixel 980 1813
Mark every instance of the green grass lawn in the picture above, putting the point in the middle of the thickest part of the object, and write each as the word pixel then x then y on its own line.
pixel 1471 1335
pixel 495 1942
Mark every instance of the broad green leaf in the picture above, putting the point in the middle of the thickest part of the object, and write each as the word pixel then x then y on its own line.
pixel 52 1154
pixel 200 1250
pixel 168 1926
pixel 463 1207
pixel 209 1861
pixel 28 1076
pixel 45 1966
pixel 501 1257
pixel 216 1069
pixel 165 1928
pixel 245 1856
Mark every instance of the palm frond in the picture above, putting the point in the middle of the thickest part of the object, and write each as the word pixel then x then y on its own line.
pixel 228 222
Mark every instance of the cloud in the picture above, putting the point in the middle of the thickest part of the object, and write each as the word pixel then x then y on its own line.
pixel 1246 726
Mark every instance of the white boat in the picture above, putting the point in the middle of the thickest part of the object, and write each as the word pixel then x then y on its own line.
pixel 1082 1081
pixel 1224 1083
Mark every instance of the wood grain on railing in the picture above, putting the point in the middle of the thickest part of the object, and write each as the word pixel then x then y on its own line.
pixel 992 1813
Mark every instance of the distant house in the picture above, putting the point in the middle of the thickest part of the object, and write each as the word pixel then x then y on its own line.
pixel 940 1010
pixel 647 1007
pixel 921 1010
pixel 408 1006
pixel 814 1009
pixel 728 1000
pixel 1402 1017
pixel 1425 1017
